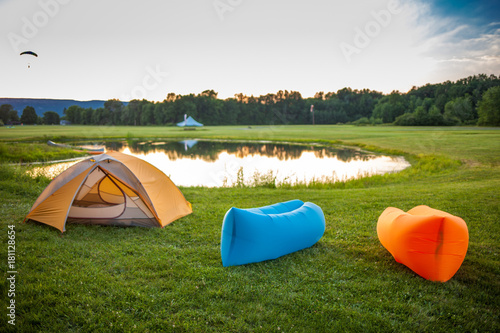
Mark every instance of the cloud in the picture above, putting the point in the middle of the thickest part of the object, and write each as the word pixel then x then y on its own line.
pixel 473 54
pixel 458 46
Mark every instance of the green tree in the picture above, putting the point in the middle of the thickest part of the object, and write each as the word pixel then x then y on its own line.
pixel 209 109
pixel 389 107
pixel 407 119
pixel 459 110
pixel 5 110
pixel 96 116
pixel 231 111
pixel 159 114
pixel 184 105
pixel 434 117
pixel 131 114
pixel 29 116
pixel 115 108
pixel 147 115
pixel 489 108
pixel 51 118
pixel 74 114
pixel 13 116
pixel 8 114
pixel 87 116
pixel 169 113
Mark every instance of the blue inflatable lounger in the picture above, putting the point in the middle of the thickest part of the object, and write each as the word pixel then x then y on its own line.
pixel 258 234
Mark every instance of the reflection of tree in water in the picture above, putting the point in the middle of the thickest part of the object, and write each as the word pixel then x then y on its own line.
pixel 347 155
pixel 210 150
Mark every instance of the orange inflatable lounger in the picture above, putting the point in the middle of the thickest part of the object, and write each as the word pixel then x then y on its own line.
pixel 430 242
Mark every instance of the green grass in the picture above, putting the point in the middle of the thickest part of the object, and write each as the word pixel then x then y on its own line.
pixel 34 152
pixel 96 278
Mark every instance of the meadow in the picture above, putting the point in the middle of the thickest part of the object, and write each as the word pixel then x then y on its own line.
pixel 109 279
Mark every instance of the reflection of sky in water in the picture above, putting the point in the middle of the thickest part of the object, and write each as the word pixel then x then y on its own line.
pixel 220 167
pixel 224 170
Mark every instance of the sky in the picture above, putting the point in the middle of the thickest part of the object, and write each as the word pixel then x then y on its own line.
pixel 89 49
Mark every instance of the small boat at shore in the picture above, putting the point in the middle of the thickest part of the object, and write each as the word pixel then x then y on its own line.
pixel 52 143
pixel 91 149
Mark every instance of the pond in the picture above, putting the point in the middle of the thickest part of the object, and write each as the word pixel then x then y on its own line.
pixel 231 163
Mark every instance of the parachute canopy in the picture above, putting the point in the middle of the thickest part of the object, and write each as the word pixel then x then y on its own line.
pixel 30 53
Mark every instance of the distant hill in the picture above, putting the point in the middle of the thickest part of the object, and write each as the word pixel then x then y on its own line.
pixel 43 105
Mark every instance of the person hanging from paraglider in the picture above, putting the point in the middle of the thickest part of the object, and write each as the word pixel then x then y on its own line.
pixel 31 53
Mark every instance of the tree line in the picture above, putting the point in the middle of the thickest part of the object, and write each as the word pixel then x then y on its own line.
pixel 9 116
pixel 470 101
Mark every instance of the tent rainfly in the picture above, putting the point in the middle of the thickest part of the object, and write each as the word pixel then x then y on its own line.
pixel 189 122
pixel 110 189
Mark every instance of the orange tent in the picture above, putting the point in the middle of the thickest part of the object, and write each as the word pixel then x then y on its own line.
pixel 430 242
pixel 110 189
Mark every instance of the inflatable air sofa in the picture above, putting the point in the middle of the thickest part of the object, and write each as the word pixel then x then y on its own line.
pixel 258 234
pixel 430 242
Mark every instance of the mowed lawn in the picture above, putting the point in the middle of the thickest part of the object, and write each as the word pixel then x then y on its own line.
pixel 95 278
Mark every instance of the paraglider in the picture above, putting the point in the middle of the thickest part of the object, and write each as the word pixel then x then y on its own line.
pixel 29 53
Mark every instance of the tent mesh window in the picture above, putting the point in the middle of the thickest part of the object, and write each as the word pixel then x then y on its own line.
pixel 103 198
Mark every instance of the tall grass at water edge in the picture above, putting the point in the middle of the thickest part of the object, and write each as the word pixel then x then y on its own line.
pixel 423 166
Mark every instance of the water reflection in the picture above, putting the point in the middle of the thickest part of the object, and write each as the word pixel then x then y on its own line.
pixel 210 150
pixel 222 163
